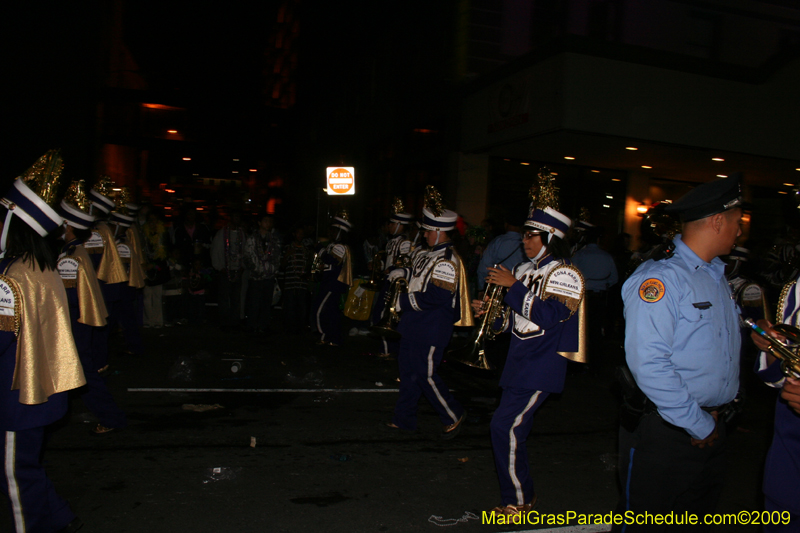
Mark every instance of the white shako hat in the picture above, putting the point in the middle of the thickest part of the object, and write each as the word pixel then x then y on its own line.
pixel 75 206
pixel 543 215
pixel 340 221
pixel 434 216
pixel 398 213
pixel 33 195
pixel 100 195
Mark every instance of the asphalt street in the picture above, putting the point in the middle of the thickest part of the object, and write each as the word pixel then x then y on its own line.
pixel 294 441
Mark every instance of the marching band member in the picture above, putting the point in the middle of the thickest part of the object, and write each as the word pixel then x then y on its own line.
pixel 123 311
pixel 782 470
pixel 436 301
pixel 337 277
pixel 398 249
pixel 111 274
pixel 87 308
pixel 38 359
pixel 544 294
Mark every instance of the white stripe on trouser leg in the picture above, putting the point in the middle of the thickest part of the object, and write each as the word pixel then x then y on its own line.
pixel 512 453
pixel 319 312
pixel 10 457
pixel 433 386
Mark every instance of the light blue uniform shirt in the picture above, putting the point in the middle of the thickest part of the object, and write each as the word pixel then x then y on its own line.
pixel 597 266
pixel 682 337
pixel 505 250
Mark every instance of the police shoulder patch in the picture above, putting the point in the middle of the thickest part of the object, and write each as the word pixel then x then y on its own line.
pixel 564 283
pixel 445 275
pixel 651 290
pixel 9 305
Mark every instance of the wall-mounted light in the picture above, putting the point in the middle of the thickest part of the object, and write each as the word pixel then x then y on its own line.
pixel 187 158
pixel 641 209
pixel 718 159
pixel 569 157
pixel 646 166
pixel 633 148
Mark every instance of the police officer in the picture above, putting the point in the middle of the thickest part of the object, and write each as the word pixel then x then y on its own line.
pixel 38 359
pixel 544 293
pixel 682 346
pixel 435 303
pixel 337 276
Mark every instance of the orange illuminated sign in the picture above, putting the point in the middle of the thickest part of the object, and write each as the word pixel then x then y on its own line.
pixel 341 180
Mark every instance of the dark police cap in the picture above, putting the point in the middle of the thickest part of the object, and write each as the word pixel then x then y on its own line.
pixel 709 199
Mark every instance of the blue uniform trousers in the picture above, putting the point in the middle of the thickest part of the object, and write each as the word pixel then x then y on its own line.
pixel 510 426
pixel 418 364
pixel 329 316
pixel 122 312
pixel 95 393
pixel 35 505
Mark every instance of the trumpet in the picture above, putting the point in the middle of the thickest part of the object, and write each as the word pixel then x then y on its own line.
pixel 787 353
pixel 474 352
pixel 376 275
pixel 386 327
pixel 316 265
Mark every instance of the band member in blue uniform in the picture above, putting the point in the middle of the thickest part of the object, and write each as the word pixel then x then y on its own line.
pixel 337 276
pixel 129 249
pixel 544 293
pixel 682 344
pixel 782 470
pixel 111 274
pixel 398 254
pixel 38 359
pixel 436 301
pixel 87 309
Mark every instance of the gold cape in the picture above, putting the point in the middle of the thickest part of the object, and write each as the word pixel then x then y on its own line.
pixel 111 269
pixel 136 273
pixel 91 304
pixel 466 319
pixel 346 274
pixel 47 360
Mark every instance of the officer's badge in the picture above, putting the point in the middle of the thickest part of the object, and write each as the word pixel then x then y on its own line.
pixel 444 275
pixel 651 290
pixel 565 284
pixel 9 305
pixel 68 270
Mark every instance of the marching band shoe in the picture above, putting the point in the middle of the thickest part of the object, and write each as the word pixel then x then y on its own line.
pixel 515 510
pixel 100 429
pixel 450 431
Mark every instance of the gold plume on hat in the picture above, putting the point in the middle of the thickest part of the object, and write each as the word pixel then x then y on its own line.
pixel 584 214
pixel 433 201
pixel 397 206
pixel 103 186
pixel 344 215
pixel 547 193
pixel 76 196
pixel 44 176
pixel 121 201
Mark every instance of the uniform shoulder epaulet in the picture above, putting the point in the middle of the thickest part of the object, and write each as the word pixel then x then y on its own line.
pixel 444 274
pixel 787 289
pixel 10 304
pixel 564 283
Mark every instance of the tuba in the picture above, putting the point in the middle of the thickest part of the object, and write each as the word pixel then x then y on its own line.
pixel 787 353
pixel 386 327
pixel 474 352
